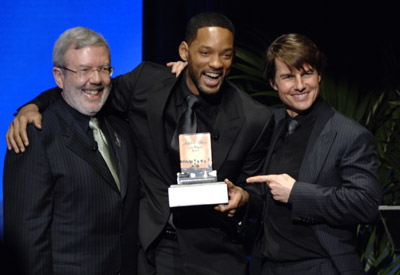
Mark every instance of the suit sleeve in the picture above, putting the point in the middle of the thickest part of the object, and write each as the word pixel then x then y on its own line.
pixel 254 159
pixel 28 203
pixel 347 194
pixel 253 165
pixel 45 99
pixel 123 88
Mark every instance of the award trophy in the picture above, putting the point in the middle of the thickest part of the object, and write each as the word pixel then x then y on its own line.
pixel 196 183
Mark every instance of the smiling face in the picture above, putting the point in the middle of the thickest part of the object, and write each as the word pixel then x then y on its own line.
pixel 209 58
pixel 87 95
pixel 298 89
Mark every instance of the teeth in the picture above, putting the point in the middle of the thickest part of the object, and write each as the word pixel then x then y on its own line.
pixel 212 75
pixel 300 96
pixel 91 92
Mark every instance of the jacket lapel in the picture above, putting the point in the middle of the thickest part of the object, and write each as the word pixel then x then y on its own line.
pixel 228 122
pixel 79 143
pixel 318 146
pixel 279 114
pixel 121 153
pixel 155 112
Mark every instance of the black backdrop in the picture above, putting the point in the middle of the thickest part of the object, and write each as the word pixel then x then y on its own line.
pixel 360 41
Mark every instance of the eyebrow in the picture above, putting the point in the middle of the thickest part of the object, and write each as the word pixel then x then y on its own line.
pixel 86 66
pixel 285 74
pixel 210 48
pixel 205 47
pixel 310 70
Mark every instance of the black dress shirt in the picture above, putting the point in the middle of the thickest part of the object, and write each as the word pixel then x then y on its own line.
pixel 83 121
pixel 206 113
pixel 287 240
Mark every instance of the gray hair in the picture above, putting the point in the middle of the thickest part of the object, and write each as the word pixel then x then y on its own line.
pixel 77 38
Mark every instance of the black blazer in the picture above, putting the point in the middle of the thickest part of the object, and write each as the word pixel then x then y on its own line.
pixel 62 208
pixel 338 186
pixel 243 128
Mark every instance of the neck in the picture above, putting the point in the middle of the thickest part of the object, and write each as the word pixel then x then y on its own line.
pixel 190 83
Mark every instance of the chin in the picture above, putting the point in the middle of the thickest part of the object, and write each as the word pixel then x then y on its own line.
pixel 209 91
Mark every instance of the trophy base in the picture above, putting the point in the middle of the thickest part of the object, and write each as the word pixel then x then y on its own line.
pixel 198 194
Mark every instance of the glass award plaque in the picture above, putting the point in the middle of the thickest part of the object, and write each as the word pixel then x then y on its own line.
pixel 196 183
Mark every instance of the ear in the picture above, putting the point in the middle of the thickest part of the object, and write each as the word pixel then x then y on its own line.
pixel 273 85
pixel 319 78
pixel 184 51
pixel 58 77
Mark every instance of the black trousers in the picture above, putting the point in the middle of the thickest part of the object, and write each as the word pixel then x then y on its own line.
pixel 163 258
pixel 323 266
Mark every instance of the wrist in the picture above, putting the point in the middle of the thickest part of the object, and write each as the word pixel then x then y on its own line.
pixel 245 197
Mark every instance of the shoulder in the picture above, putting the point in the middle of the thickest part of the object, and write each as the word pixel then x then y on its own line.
pixel 146 76
pixel 54 115
pixel 148 65
pixel 346 125
pixel 329 119
pixel 350 133
pixel 40 139
pixel 154 69
pixel 251 107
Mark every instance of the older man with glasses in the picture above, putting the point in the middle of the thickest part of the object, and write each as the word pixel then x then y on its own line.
pixel 71 200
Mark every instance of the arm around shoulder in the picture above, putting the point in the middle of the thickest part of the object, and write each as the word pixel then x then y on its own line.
pixel 17 137
pixel 125 86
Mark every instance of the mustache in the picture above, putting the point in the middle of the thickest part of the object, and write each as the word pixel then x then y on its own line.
pixel 94 87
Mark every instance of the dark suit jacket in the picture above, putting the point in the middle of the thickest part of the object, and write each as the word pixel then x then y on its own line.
pixel 243 128
pixel 62 209
pixel 338 185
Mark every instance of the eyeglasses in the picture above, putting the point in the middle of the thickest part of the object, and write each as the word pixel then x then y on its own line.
pixel 87 73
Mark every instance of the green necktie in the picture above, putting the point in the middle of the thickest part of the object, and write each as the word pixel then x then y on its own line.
pixel 103 147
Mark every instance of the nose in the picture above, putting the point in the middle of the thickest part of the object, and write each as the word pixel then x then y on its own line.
pixel 95 77
pixel 299 84
pixel 215 62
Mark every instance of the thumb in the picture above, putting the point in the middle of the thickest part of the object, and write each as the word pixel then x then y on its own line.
pixel 229 184
pixel 37 121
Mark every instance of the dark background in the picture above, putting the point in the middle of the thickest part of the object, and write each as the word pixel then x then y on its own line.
pixel 360 40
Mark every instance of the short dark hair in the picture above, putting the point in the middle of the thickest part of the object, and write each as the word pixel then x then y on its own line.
pixel 207 19
pixel 294 50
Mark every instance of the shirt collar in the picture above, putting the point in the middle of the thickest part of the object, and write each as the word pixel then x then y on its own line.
pixel 81 119
pixel 308 115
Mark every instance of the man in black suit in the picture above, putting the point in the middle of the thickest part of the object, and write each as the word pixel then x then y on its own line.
pixel 194 240
pixel 321 172
pixel 71 200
